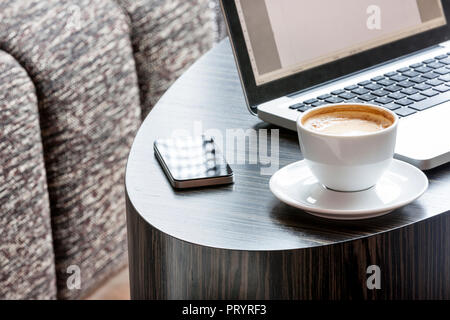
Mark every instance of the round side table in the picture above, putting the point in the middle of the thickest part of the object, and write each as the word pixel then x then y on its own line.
pixel 239 242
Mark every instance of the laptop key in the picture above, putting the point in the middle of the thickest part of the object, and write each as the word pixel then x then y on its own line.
pixel 416 65
pixel 296 106
pixel 436 65
pixel 440 57
pixel 431 102
pixel 360 91
pixel 393 88
pixel 409 91
pixel 445 61
pixel 410 74
pixel 398 78
pixel 385 82
pixel 445 78
pixel 337 92
pixel 404 111
pixel 304 108
pixel 384 100
pixel 373 86
pixel 406 84
pixel 367 97
pixel 430 93
pixel 390 74
pixel 356 100
pixel 422 86
pixel 442 71
pixel 378 78
pixel 430 75
pixel 352 87
pixel 404 102
pixel 396 95
pixel 434 82
pixel 364 83
pixel 347 95
pixel 318 103
pixel 392 106
pixel 418 79
pixel 429 61
pixel 334 100
pixel 324 96
pixel 417 97
pixel 380 93
pixel 442 88
pixel 310 101
pixel 403 70
pixel 423 69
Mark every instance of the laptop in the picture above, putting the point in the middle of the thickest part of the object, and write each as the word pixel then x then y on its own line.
pixel 296 55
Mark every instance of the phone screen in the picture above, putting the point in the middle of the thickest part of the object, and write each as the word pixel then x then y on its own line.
pixel 191 158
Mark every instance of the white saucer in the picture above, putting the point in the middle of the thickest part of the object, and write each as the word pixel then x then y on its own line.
pixel 401 184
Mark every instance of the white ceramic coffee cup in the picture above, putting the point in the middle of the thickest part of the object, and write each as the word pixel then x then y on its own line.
pixel 348 163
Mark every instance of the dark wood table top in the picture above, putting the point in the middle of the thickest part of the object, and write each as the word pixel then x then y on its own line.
pixel 245 215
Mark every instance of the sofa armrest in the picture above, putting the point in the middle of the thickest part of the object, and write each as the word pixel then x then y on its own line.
pixel 167 37
pixel 79 56
pixel 27 268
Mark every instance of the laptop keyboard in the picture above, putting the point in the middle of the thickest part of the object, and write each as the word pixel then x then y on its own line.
pixel 405 91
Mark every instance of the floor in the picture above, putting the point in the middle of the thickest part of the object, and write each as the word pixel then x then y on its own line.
pixel 116 288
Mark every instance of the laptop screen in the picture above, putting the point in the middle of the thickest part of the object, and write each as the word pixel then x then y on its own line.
pixel 284 37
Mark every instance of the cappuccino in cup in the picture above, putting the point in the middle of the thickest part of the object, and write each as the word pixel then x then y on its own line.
pixel 347 122
pixel 348 146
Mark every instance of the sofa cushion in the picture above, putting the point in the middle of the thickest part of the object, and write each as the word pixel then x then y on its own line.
pixel 79 56
pixel 26 249
pixel 167 37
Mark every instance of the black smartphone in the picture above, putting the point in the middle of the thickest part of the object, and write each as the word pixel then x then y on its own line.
pixel 190 162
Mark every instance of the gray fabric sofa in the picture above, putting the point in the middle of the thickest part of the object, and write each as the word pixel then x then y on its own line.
pixel 76 77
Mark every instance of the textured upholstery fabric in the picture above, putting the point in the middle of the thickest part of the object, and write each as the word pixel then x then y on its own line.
pixel 26 249
pixel 221 28
pixel 167 37
pixel 79 56
pixel 82 62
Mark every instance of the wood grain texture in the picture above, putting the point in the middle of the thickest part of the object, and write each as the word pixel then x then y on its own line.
pixel 239 241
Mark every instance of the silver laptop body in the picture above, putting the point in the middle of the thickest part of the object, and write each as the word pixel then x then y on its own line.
pixel 423 136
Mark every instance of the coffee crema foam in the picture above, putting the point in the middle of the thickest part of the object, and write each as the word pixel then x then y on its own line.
pixel 347 123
